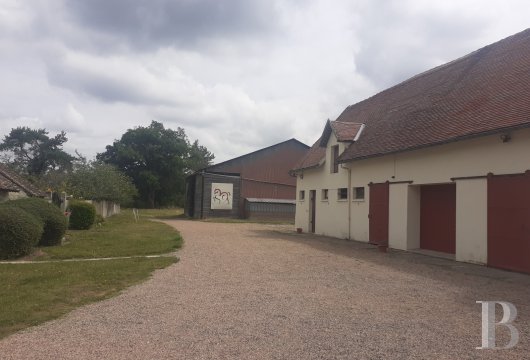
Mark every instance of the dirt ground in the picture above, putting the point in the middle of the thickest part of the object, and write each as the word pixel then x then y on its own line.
pixel 250 291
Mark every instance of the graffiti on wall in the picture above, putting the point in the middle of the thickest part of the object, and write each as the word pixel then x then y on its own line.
pixel 222 196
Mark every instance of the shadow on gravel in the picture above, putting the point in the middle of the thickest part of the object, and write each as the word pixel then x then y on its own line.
pixel 401 261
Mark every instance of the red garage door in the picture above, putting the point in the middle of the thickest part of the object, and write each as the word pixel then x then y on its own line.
pixel 378 224
pixel 509 222
pixel 438 218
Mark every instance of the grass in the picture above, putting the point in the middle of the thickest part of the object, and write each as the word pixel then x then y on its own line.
pixel 118 236
pixel 33 293
pixel 165 214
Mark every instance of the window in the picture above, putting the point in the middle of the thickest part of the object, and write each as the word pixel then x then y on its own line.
pixel 358 193
pixel 324 194
pixel 301 195
pixel 342 194
pixel 334 157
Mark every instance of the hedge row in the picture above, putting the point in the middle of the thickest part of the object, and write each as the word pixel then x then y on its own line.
pixel 28 222
pixel 82 215
pixel 19 232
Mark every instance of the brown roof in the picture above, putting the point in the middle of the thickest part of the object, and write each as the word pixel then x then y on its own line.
pixel 344 131
pixel 7 185
pixel 313 158
pixel 485 92
pixel 10 181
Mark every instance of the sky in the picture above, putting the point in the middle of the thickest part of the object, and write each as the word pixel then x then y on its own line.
pixel 237 75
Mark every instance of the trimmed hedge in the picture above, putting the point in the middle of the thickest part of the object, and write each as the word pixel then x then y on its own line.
pixel 83 215
pixel 52 217
pixel 19 232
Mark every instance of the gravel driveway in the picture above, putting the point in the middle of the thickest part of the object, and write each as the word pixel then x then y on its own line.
pixel 253 291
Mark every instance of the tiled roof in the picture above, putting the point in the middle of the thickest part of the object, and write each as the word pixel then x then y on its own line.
pixel 313 158
pixel 7 185
pixel 10 181
pixel 344 131
pixel 485 92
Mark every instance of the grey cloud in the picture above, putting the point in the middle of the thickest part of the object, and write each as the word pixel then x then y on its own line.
pixel 148 24
pixel 397 43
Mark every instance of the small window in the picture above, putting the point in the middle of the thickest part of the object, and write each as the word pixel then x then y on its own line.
pixel 334 157
pixel 358 193
pixel 324 194
pixel 301 195
pixel 342 194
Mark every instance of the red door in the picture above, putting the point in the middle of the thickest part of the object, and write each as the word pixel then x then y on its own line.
pixel 438 218
pixel 313 199
pixel 509 222
pixel 378 216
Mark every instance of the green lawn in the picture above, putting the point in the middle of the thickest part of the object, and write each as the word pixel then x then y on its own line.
pixel 36 292
pixel 33 293
pixel 119 235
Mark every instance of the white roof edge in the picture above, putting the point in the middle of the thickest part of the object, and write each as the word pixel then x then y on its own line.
pixel 359 132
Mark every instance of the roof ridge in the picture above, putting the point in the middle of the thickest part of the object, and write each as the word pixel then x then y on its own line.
pixel 436 68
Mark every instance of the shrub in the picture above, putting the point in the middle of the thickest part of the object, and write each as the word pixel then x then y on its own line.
pixel 52 217
pixel 82 215
pixel 19 232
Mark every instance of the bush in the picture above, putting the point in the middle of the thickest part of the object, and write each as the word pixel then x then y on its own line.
pixel 82 215
pixel 19 232
pixel 52 217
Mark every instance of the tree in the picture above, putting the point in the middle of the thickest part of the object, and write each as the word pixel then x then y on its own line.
pixel 34 152
pixel 99 181
pixel 157 159
pixel 198 157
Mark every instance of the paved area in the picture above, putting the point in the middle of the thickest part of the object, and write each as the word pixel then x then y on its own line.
pixel 252 291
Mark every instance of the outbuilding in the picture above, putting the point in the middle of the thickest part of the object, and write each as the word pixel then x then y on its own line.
pixel 437 164
pixel 235 187
pixel 13 186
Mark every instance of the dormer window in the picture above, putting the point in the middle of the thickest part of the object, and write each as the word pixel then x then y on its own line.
pixel 334 157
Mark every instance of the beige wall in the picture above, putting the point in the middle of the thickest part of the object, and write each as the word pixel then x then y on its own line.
pixel 472 220
pixel 331 215
pixel 432 165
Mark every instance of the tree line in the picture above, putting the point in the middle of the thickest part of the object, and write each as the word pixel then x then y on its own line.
pixel 146 167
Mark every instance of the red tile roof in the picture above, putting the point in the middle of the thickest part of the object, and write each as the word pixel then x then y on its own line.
pixel 7 185
pixel 313 158
pixel 485 92
pixel 344 131
pixel 10 181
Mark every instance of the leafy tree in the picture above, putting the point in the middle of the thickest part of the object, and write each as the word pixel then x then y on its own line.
pixel 157 159
pixel 198 157
pixel 34 152
pixel 99 181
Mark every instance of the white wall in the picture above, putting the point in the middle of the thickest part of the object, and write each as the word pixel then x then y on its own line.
pixel 472 220
pixel 331 215
pixel 438 164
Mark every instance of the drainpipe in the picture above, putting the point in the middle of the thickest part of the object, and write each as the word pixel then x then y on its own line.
pixel 349 199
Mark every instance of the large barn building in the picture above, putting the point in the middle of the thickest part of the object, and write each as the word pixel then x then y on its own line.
pixel 256 185
pixel 437 164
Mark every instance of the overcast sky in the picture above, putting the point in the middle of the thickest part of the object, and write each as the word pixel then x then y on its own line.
pixel 236 74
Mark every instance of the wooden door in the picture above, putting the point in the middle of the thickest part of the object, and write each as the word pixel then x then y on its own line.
pixel 378 216
pixel 438 218
pixel 509 222
pixel 312 209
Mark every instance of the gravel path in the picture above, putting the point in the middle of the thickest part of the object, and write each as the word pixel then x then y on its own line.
pixel 253 291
